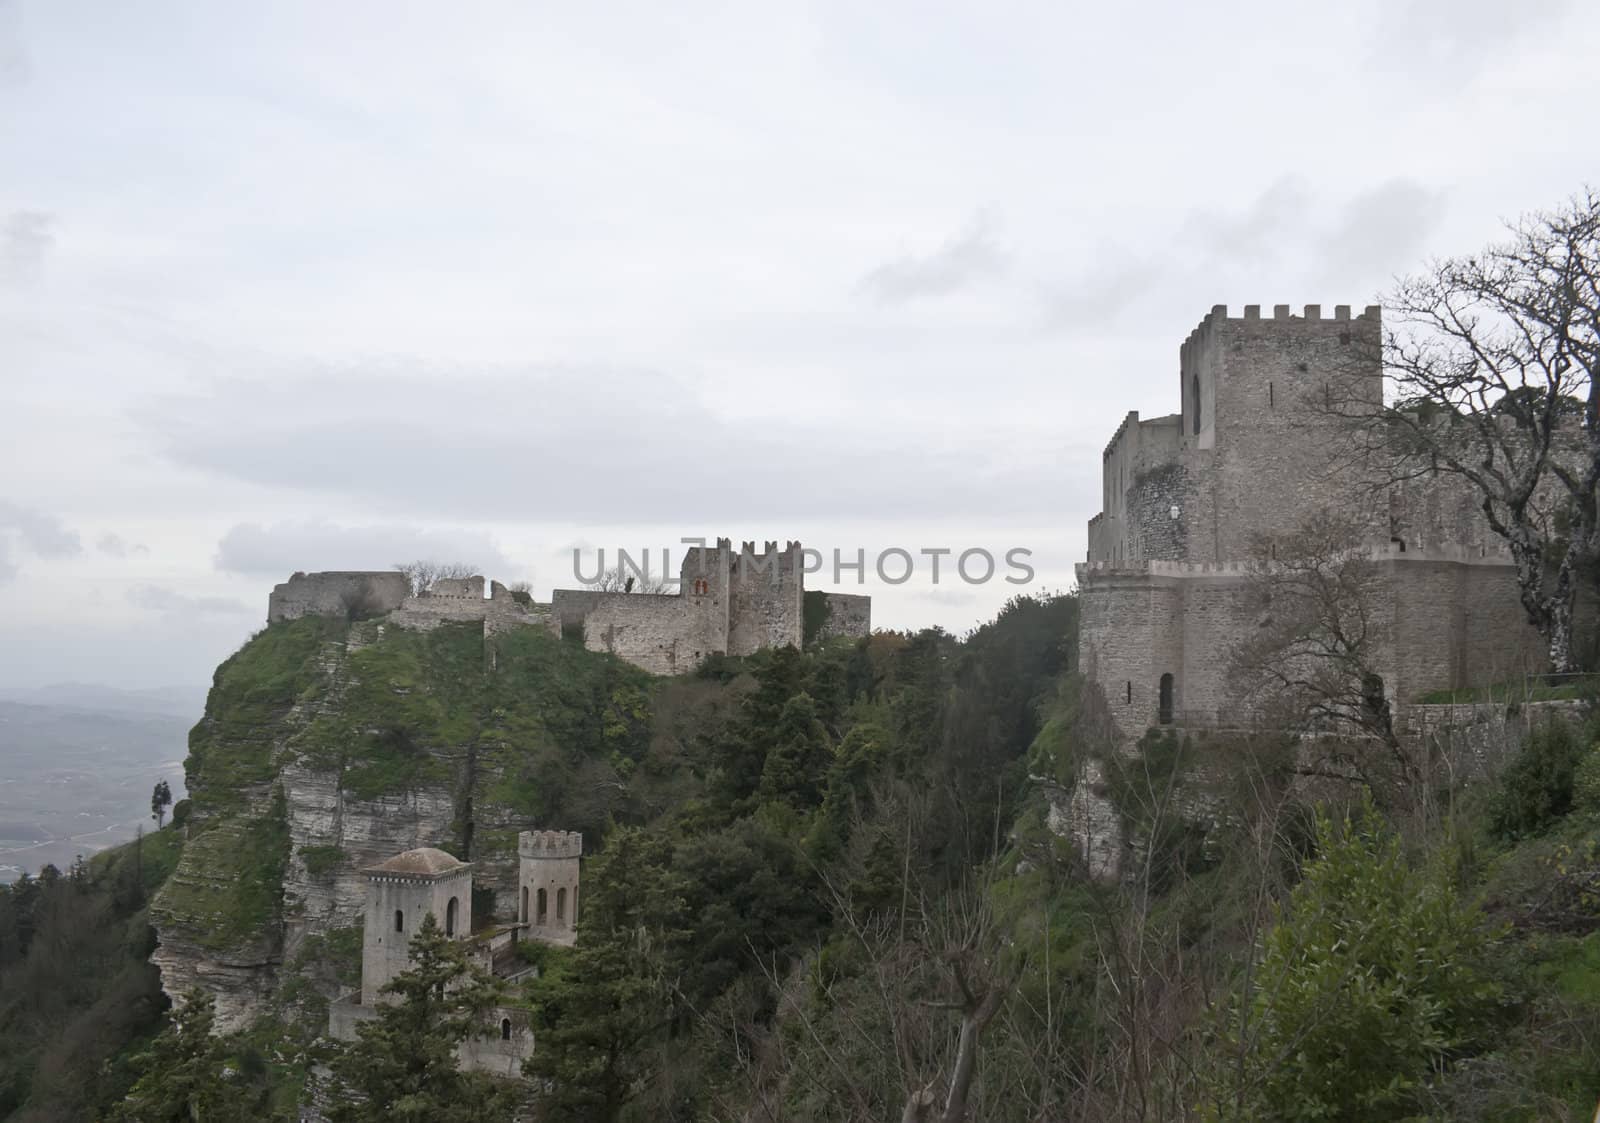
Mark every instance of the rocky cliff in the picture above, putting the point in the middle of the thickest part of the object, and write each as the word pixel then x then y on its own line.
pixel 328 746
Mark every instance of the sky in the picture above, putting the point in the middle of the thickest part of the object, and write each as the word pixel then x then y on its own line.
pixel 301 286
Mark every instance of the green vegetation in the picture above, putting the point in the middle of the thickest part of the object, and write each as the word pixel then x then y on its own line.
pixel 232 746
pixel 824 888
pixel 320 861
pixel 77 994
pixel 1569 688
pixel 234 895
pixel 1373 977
pixel 814 613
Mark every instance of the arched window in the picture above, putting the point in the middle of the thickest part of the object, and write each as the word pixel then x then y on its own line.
pixel 561 904
pixel 450 917
pixel 540 902
pixel 574 906
pixel 524 904
pixel 399 921
pixel 1194 393
pixel 1166 699
pixel 505 1029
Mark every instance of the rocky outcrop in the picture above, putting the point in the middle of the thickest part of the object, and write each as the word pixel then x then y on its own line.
pixel 1087 817
pixel 329 746
pixel 333 837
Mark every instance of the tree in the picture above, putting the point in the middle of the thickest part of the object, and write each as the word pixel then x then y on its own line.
pixel 1490 361
pixel 424 575
pixel 1311 663
pixel 160 800
pixel 599 1012
pixel 404 1061
pixel 181 1077
pixel 796 765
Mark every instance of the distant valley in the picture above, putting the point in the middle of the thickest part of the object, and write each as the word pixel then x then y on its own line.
pixel 77 763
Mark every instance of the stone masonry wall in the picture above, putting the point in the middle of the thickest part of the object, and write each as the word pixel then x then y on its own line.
pixel 462 600
pixel 849 615
pixel 336 593
pixel 765 591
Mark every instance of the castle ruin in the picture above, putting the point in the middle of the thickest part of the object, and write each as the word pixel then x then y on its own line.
pixel 728 602
pixel 1189 499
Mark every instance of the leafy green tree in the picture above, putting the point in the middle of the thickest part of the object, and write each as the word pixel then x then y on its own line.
pixel 404 1062
pixel 599 1014
pixel 181 1075
pixel 1373 978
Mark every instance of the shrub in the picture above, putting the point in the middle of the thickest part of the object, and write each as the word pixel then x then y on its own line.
pixel 1370 982
pixel 1585 782
pixel 1537 788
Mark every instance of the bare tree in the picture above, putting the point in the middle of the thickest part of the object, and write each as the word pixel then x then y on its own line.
pixel 1490 361
pixel 1312 662
pixel 424 575
pixel 618 580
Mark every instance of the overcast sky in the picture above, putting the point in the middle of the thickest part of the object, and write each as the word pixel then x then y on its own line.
pixel 330 285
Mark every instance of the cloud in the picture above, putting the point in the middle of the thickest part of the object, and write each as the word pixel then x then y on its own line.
pixel 1383 227
pixel 8 568
pixel 972 255
pixel 1257 234
pixel 589 444
pixel 113 545
pixel 154 598
pixel 1447 42
pixel 43 535
pixel 25 240
pixel 1095 299
pixel 15 67
pixel 282 548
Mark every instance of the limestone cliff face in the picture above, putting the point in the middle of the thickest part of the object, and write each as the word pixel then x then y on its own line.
pixel 328 747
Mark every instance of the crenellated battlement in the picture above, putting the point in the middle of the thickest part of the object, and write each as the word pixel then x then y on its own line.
pixel 550 844
pixel 1218 321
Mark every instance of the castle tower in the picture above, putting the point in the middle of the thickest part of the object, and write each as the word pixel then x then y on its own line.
pixel 1261 402
pixel 400 892
pixel 547 904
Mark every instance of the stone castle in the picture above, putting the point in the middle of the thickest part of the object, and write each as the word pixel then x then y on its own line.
pixel 1190 498
pixel 403 890
pixel 728 602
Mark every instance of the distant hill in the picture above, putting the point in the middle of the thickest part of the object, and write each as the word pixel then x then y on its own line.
pixel 187 701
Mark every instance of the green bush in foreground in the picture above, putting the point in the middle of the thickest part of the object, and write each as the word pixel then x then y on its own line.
pixel 1371 978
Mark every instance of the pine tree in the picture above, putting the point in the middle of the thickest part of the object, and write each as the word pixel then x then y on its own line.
pixel 598 1013
pixel 404 1063
pixel 181 1074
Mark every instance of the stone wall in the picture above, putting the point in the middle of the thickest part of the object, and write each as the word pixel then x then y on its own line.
pixel 334 593
pixel 727 602
pixel 665 633
pixel 849 616
pixel 765 589
pixel 1442 620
